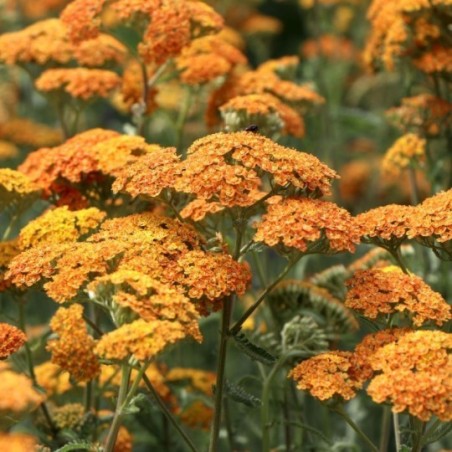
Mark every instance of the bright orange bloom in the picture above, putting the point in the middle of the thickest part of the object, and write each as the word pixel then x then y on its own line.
pixel 17 442
pixel 11 339
pixel 415 375
pixel 388 290
pixel 73 350
pixel 362 370
pixel 52 378
pixel 405 152
pixel 266 111
pixel 26 132
pixel 124 441
pixel 284 67
pixel 144 340
pixel 308 225
pixel 436 60
pixel 327 375
pixel 59 225
pixel 79 82
pixel 17 394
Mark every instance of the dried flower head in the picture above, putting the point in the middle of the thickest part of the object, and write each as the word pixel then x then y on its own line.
pixel 144 340
pixel 79 82
pixel 73 350
pixel 387 290
pixel 11 339
pixel 308 225
pixel 407 151
pixel 60 225
pixel 327 375
pixel 415 375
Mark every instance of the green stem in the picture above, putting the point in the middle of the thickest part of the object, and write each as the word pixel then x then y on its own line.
pixel 385 429
pixel 236 328
pixel 122 396
pixel 168 414
pixel 340 410
pixel 182 119
pixel 398 257
pixel 398 442
pixel 10 227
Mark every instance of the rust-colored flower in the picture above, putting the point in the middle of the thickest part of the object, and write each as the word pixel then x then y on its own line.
pixel 79 82
pixel 327 375
pixel 124 441
pixel 388 290
pixel 73 350
pixel 308 225
pixel 266 111
pixel 144 340
pixel 435 60
pixel 329 47
pixel 415 375
pixel 17 394
pixel 407 151
pixel 60 225
pixel 11 339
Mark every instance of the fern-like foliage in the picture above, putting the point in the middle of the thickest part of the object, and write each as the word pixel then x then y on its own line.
pixel 252 350
pixel 240 395
pixel 304 334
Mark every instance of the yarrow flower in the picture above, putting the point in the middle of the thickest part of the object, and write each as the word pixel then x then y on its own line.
pixel 388 290
pixel 17 442
pixel 415 375
pixel 11 339
pixel 307 225
pixel 73 350
pixel 197 415
pixel 8 250
pixel 329 47
pixel 327 375
pixel 199 380
pixel 52 378
pixel 79 82
pixel 16 188
pixel 407 151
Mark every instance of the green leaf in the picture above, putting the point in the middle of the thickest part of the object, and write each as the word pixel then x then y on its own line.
pixel 240 395
pixel 80 445
pixel 255 352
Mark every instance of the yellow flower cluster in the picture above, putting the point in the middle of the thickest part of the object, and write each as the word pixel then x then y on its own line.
pixel 73 350
pixel 16 187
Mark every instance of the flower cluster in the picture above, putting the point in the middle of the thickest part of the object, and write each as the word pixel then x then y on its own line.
pixel 16 187
pixel 73 350
pixel 11 339
pixel 387 290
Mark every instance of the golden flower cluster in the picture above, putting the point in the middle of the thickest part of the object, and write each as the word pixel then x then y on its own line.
pixel 16 187
pixel 200 380
pixel 59 225
pixel 11 339
pixel 47 41
pixel 73 349
pixel 8 150
pixel 79 82
pixel 261 24
pixel 415 375
pixel 52 378
pixel 285 67
pixel 8 250
pixel 308 225
pixel 371 343
pixel 37 8
pixel 264 110
pixel 388 290
pixel 68 416
pixel 405 152
pixel 207 58
pixel 17 394
pixel 142 339
pixel 329 47
pixel 425 113
pixel 327 375
pixel 17 442
pixel 25 132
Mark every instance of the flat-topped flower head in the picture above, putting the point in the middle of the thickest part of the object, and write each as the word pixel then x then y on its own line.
pixel 60 225
pixel 73 350
pixel 327 375
pixel 144 340
pixel 307 225
pixel 11 339
pixel 16 188
pixel 266 111
pixel 79 82
pixel 407 151
pixel 388 290
pixel 414 375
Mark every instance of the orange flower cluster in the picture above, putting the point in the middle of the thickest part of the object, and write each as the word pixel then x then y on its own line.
pixel 427 114
pixel 207 58
pixel 79 82
pixel 329 47
pixel 141 339
pixel 364 351
pixel 285 67
pixel 17 394
pixel 197 415
pixel 148 298
pixel 124 441
pixel 308 225
pixel 388 290
pixel 11 339
pixel 28 133
pixel 8 250
pixel 415 375
pixel 8 150
pixel 266 111
pixel 47 42
pixel 73 350
pixel 327 375
pixel 200 380
pixel 407 28
pixel 59 225
pixel 17 442
pixel 52 378
pixel 406 151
